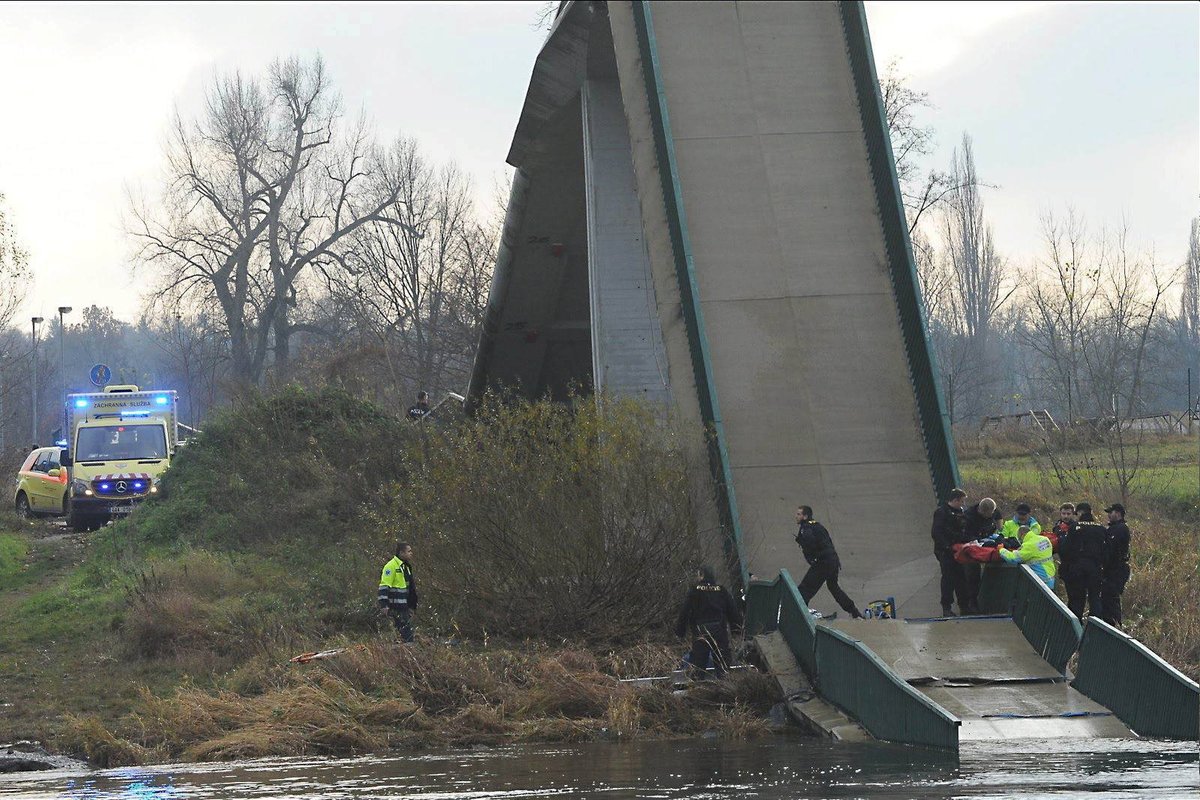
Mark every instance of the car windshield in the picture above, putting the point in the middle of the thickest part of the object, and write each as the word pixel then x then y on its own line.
pixel 121 443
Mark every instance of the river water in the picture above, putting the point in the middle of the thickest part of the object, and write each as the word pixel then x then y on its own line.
pixel 783 767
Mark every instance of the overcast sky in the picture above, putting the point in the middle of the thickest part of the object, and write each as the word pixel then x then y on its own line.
pixel 1095 106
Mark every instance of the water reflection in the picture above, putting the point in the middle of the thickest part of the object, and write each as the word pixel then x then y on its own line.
pixel 134 785
pixel 779 768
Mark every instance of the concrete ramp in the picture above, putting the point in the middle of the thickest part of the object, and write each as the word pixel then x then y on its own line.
pixel 787 247
pixel 707 194
pixel 985 673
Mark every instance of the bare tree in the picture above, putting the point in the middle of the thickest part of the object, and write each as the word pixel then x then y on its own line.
pixel 547 12
pixel 14 270
pixel 14 280
pixel 979 273
pixel 922 192
pixel 1118 354
pixel 262 191
pixel 419 287
pixel 191 351
pixel 1189 307
pixel 1092 315
pixel 1064 289
pixel 969 282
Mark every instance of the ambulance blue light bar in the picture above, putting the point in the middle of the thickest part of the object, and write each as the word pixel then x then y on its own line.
pixel 81 403
pixel 161 400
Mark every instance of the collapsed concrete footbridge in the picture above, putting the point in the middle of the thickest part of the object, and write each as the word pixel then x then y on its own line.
pixel 705 214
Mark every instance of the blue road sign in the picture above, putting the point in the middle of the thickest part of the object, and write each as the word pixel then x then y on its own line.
pixel 101 375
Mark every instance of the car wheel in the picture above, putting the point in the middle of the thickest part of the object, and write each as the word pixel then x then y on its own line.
pixel 23 509
pixel 78 522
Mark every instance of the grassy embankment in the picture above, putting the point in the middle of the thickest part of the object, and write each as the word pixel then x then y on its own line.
pixel 168 636
pixel 1162 599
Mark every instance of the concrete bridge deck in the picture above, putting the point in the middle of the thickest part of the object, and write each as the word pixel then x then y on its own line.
pixel 984 671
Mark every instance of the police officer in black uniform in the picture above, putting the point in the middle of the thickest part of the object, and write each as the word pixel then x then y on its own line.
pixel 708 612
pixel 948 531
pixel 421 409
pixel 979 522
pixel 1081 553
pixel 1116 564
pixel 823 561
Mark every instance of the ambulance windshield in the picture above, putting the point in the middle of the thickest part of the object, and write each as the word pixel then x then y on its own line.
pixel 121 443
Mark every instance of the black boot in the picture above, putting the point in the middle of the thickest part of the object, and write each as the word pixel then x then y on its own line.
pixel 948 612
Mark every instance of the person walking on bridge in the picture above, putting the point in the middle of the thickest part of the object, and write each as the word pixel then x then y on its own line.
pixel 398 591
pixel 823 562
pixel 947 531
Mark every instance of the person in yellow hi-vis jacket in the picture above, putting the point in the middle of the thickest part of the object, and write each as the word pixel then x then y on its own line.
pixel 1036 551
pixel 1022 519
pixel 397 590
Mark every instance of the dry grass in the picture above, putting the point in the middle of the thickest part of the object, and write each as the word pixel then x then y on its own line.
pixel 386 696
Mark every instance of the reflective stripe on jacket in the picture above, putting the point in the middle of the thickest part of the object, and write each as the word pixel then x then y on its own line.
pixel 393 584
pixel 1038 553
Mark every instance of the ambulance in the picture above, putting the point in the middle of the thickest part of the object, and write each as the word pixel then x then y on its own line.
pixel 120 443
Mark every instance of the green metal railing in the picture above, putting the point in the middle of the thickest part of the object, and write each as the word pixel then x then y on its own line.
pixel 689 292
pixel 1144 691
pixel 762 605
pixel 922 361
pixel 1045 620
pixel 777 605
pixel 855 679
pixel 797 625
pixel 998 587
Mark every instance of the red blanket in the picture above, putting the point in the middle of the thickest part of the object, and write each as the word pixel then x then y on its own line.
pixel 975 554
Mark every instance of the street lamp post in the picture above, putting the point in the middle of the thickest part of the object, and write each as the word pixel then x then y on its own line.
pixel 33 410
pixel 62 360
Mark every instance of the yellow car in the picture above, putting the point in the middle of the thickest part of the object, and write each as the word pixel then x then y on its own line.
pixel 42 484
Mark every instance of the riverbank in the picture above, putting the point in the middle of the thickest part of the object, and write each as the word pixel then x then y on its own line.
pixel 75 674
pixel 379 697
pixel 168 636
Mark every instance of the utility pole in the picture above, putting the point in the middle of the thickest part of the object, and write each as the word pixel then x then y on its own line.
pixel 33 411
pixel 62 360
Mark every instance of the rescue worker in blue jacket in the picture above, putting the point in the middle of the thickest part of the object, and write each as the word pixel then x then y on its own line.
pixel 708 612
pixel 1116 564
pixel 398 591
pixel 1081 553
pixel 824 564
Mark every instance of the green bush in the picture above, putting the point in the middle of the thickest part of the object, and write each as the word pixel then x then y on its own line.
pixel 551 521
pixel 292 469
